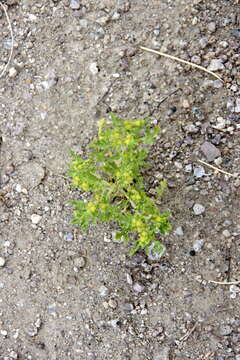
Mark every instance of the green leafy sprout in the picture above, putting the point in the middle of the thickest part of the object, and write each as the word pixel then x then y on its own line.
pixel 112 176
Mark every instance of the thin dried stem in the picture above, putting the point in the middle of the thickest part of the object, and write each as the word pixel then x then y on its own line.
pixel 182 61
pixel 225 282
pixel 12 38
pixel 215 168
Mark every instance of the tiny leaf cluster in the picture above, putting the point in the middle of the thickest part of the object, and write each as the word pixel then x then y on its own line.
pixel 111 174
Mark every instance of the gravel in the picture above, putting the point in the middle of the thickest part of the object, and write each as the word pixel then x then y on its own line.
pixel 35 218
pixel 210 151
pixel 198 209
pixel 2 261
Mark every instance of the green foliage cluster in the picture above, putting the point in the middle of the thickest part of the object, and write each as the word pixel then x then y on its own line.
pixel 112 175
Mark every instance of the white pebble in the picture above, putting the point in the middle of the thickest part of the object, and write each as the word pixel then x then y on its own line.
pixel 12 72
pixel 93 68
pixel 2 261
pixel 198 209
pixel 35 218
pixel 18 188
pixel 216 64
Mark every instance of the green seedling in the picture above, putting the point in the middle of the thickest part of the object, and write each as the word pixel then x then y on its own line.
pixel 111 174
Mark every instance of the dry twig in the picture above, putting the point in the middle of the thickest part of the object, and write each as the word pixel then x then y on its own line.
pixel 181 61
pixel 224 282
pixel 186 336
pixel 215 168
pixel 12 39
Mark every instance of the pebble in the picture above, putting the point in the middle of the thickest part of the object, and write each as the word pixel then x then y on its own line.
pixel 12 72
pixel 93 68
pixel 74 5
pixel 127 307
pixel 50 81
pixel 2 261
pixel 211 27
pixel 210 151
pixel 103 291
pixel 35 218
pixel 225 330
pixel 129 279
pixel 179 231
pixel 18 188
pixel 32 331
pixel 198 209
pixel 226 233
pixel 188 168
pixel 215 65
pixel 4 332
pixel 155 256
pixel 112 303
pixel 80 262
pixel 138 287
pixel 198 245
pixel 236 33
pixel 13 355
pixel 68 236
pixel 199 172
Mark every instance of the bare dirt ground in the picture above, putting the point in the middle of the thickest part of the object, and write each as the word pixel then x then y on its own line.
pixel 69 295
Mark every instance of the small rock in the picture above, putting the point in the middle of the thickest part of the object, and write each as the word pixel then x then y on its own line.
pixel 138 287
pixel 93 68
pixel 103 291
pixel 4 332
pixel 31 174
pixel 68 236
pixel 112 303
pixel 50 81
pixel 18 188
pixel 215 65
pixel 13 355
pixel 196 59
pixel 114 323
pixel 225 330
pixel 38 323
pixel 74 5
pixel 80 262
pixel 103 20
pixel 199 172
pixel 210 151
pixel 32 331
pixel 226 233
pixel 211 27
pixel 198 209
pixel 127 307
pixel 185 104
pixel 179 231
pixel 115 16
pixel 35 218
pixel 2 261
pixel 153 256
pixel 236 33
pixel 12 72
pixel 129 279
pixel 203 43
pixel 198 245
pixel 188 168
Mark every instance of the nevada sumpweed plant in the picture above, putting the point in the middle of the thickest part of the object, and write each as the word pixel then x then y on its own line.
pixel 112 176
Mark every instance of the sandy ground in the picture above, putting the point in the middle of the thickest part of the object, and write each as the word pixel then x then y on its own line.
pixel 68 295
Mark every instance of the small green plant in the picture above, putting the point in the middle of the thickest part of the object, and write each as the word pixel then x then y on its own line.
pixel 112 176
